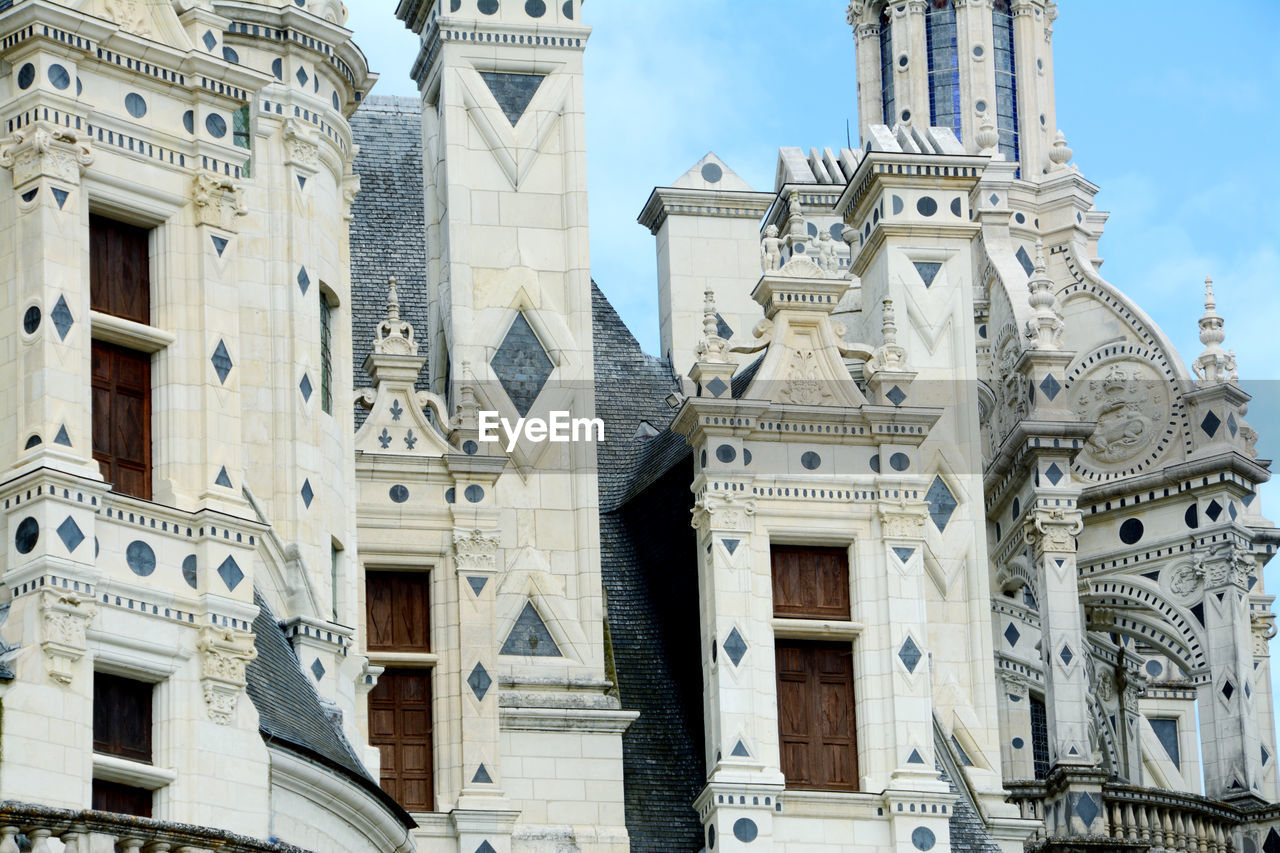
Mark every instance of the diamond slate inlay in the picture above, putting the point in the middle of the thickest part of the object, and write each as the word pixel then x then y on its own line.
pixel 305 387
pixel 1210 424
pixel 941 503
pixel 304 280
pixel 1228 690
pixel 230 573
pixel 734 646
pixel 1012 634
pixel 522 365
pixel 317 669
pixel 61 316
pixel 69 533
pixel 1213 510
pixel 1025 260
pixel 716 386
pixel 308 495
pixel 479 682
pixel 928 271
pixel 1053 474
pixel 1086 808
pixel 513 92
pixel 1066 655
pixel 1050 387
pixel 221 362
pixel 910 654
pixel 896 395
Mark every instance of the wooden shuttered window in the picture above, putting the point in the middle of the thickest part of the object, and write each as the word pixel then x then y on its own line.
pixel 122 717
pixel 119 270
pixel 396 611
pixel 122 799
pixel 810 583
pixel 400 727
pixel 816 715
pixel 122 417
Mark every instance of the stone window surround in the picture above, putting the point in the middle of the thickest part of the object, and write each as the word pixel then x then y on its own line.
pixel 119 654
pixel 1184 711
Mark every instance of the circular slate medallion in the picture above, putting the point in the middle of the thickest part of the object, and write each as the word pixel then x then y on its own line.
pixel 27 535
pixel 140 557
pixel 745 830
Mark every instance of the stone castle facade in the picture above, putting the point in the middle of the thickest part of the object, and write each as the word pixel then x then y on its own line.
pixel 918 534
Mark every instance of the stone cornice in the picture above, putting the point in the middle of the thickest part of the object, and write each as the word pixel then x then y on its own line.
pixel 735 204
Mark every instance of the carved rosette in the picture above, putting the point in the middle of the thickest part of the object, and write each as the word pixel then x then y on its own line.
pixel 64 623
pixel 218 199
pixel 43 149
pixel 475 550
pixel 224 654
pixel 1053 530
pixel 728 512
pixel 903 519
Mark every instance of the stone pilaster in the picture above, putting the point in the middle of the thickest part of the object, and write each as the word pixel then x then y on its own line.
pixel 1015 723
pixel 48 317
pixel 1229 729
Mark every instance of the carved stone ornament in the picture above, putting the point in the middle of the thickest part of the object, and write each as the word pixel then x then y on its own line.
pixel 1229 567
pixel 217 199
pixel 224 653
pixel 1263 624
pixel 350 189
pixel 1014 683
pixel 723 512
pixel 64 621
pixel 803 384
pixel 300 148
pixel 1187 577
pixel 1053 529
pixel 394 336
pixel 1105 686
pixel 131 15
pixel 1128 401
pixel 48 150
pixel 1012 403
pixel 475 550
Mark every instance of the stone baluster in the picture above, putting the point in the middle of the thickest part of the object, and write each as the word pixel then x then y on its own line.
pixel 1130 823
pixel 158 847
pixel 75 840
pixel 129 845
pixel 7 842
pixel 39 840
pixel 1144 827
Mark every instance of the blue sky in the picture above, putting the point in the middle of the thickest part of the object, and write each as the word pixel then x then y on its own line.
pixel 1171 111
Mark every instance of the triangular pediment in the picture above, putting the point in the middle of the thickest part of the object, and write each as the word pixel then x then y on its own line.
pixel 153 19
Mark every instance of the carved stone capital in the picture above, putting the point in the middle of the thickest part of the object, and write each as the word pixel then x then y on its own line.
pixel 903 519
pixel 300 148
pixel 44 149
pixel 1264 628
pixel 475 550
pixel 64 621
pixel 728 512
pixel 1227 566
pixel 1053 529
pixel 218 199
pixel 224 654
pixel 1013 683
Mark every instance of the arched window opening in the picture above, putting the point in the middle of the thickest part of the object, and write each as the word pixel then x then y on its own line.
pixel 1006 79
pixel 944 65
pixel 887 101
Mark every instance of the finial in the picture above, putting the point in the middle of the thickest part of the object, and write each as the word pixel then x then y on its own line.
pixel 394 336
pixel 1214 366
pixel 1045 328
pixel 987 137
pixel 712 347
pixel 1060 155
pixel 393 301
pixel 889 355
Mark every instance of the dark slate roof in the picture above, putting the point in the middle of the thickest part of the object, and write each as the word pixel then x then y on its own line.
pixel 388 232
pixel 650 580
pixel 290 715
pixel 968 831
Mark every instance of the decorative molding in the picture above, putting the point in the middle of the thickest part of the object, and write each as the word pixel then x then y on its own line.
pixel 1053 529
pixel 475 550
pixel 723 512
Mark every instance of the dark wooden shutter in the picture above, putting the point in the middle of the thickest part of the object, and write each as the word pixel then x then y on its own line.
pixel 816 715
pixel 122 717
pixel 119 270
pixel 122 799
pixel 122 418
pixel 396 610
pixel 810 583
pixel 400 727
